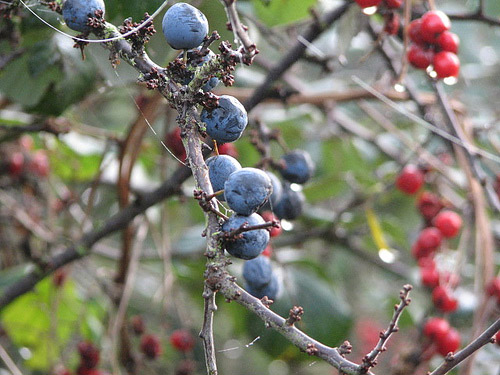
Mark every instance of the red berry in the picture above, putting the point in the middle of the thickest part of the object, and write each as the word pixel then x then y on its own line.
pixel 448 343
pixel 419 57
pixel 59 277
pixel 414 31
pixel 173 141
pixel 182 340
pixel 434 23
pixel 26 142
pixel 429 205
pixel 150 346
pixel 391 26
pixel 83 370
pixel 269 216
pixel 426 262
pixel 368 3
pixel 410 180
pixel 138 325
pixel 16 163
pixel 429 276
pixel 228 149
pixel 493 288
pixel 446 64
pixel 39 163
pixel 435 328
pixel 429 239
pixel 443 300
pixel 89 354
pixel 497 338
pixel 448 41
pixel 448 223
pixel 393 4
pixel 268 251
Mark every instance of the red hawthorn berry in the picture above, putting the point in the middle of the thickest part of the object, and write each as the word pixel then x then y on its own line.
pixel 414 31
pixel 228 149
pixel 83 370
pixel 448 41
pixel 138 325
pixel 89 354
pixel 443 300
pixel 269 216
pixel 393 4
pixel 429 204
pixel 26 142
pixel 426 262
pixel 173 141
pixel 449 342
pixel 436 327
pixel 493 288
pixel 182 340
pixel 59 277
pixel 496 185
pixel 419 57
pixel 429 239
pixel 429 276
pixel 410 180
pixel 268 251
pixel 391 26
pixel 368 3
pixel 150 346
pixel 16 163
pixel 434 23
pixel 448 223
pixel 186 367
pixel 446 64
pixel 497 338
pixel 39 163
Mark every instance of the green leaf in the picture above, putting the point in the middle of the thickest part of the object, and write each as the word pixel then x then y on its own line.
pixel 43 321
pixel 280 12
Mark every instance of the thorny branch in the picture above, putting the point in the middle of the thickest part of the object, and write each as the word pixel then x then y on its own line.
pixel 453 360
pixel 370 360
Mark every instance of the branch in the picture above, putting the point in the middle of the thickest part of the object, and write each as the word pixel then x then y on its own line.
pixel 294 54
pixel 82 247
pixel 305 343
pixel 370 360
pixel 453 360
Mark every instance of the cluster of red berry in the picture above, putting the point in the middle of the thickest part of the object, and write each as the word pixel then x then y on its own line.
pixel 440 223
pixel 25 161
pixel 150 344
pixel 443 338
pixel 433 44
pixel 173 141
pixel 89 358
pixel 387 9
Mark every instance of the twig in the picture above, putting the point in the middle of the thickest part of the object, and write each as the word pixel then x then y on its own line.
pixel 480 341
pixel 82 247
pixel 471 154
pixel 232 15
pixel 206 333
pixel 294 54
pixel 9 362
pixel 298 338
pixel 370 360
